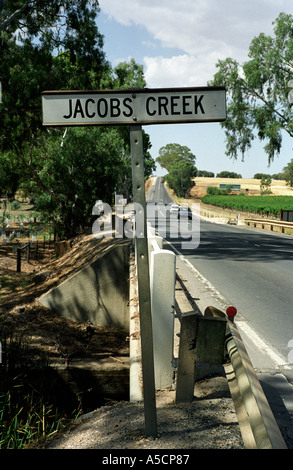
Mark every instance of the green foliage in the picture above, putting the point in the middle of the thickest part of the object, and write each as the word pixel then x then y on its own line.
pixel 288 173
pixel 228 174
pixel 10 174
pixel 213 191
pixel 14 205
pixel 257 92
pixel 179 162
pixel 259 176
pixel 258 204
pixel 90 164
pixel 172 153
pixel 55 22
pixel 265 185
pixel 275 176
pixel 205 174
pixel 180 177
pixel 278 176
pixel 129 75
pixel 56 46
pixel 62 49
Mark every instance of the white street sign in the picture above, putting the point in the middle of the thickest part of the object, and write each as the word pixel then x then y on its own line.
pixel 131 107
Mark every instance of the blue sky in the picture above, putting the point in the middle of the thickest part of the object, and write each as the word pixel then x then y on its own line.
pixel 179 44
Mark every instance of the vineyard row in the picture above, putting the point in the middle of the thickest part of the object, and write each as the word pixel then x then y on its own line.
pixel 259 204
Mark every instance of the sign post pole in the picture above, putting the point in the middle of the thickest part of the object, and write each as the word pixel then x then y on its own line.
pixel 141 245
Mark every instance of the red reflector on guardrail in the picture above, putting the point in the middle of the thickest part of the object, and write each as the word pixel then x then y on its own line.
pixel 231 312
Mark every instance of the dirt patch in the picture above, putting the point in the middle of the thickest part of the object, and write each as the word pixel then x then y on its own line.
pixel 209 422
pixel 46 331
pixel 21 288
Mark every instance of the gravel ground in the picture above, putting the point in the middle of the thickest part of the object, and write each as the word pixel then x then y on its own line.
pixel 209 422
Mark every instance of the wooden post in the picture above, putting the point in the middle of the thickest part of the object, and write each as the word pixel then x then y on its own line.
pixel 18 262
pixel 142 261
pixel 202 339
pixel 210 345
pixel 186 359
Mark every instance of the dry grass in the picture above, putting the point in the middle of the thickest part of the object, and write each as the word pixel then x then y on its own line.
pixel 278 187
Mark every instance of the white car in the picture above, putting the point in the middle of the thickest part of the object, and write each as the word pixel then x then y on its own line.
pixel 174 209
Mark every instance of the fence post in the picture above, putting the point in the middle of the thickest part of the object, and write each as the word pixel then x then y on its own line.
pixel 18 262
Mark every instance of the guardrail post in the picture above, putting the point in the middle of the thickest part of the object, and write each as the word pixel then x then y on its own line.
pixel 162 282
pixel 202 339
pixel 186 359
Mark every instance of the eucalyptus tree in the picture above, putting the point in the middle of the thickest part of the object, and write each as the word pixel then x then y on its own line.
pixel 179 161
pixel 258 92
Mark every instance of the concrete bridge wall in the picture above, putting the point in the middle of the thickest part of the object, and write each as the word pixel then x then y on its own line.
pixel 99 292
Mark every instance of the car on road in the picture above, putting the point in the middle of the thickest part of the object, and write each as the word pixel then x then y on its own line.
pixel 184 212
pixel 174 209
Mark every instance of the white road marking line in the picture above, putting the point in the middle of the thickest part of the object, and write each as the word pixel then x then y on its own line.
pixel 260 344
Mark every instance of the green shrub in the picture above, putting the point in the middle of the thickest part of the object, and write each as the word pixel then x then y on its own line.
pixel 14 205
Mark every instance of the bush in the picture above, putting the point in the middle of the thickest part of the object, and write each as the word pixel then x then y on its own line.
pixel 14 205
pixel 213 191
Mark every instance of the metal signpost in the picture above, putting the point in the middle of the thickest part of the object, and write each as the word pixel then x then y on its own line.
pixel 135 108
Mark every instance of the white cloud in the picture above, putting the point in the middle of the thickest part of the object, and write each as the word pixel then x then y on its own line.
pixel 195 27
pixel 205 31
pixel 177 71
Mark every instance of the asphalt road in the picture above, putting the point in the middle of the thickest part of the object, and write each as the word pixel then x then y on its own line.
pixel 252 270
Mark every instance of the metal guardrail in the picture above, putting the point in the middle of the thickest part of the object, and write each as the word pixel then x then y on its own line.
pixel 262 431
pixel 272 223
pixel 210 338
pixel 215 331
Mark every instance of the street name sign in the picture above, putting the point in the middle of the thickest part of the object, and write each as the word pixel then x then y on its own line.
pixel 134 107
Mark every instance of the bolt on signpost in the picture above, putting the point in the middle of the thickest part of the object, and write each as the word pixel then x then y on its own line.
pixel 136 108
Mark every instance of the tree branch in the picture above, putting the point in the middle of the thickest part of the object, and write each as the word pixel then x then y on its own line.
pixel 273 108
pixel 13 16
pixel 33 172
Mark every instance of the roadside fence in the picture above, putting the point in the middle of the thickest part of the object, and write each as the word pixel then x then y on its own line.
pixel 272 223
